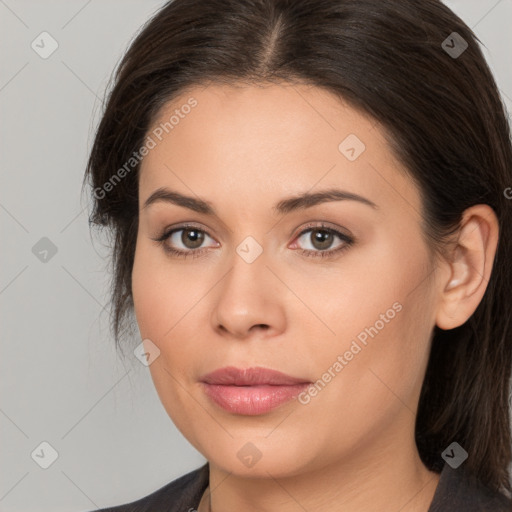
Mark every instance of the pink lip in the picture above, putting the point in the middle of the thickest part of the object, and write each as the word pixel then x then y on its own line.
pixel 251 391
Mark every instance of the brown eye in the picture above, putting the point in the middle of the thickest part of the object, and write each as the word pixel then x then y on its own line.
pixel 321 240
pixel 192 238
pixel 184 241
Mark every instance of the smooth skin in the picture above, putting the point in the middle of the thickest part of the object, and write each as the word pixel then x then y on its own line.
pixel 243 149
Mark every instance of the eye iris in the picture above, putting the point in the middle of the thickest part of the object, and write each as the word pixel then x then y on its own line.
pixel 195 236
pixel 324 238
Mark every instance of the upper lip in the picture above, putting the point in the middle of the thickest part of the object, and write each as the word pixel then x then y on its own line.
pixel 250 377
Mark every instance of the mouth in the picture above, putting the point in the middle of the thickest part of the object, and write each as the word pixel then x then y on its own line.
pixel 251 391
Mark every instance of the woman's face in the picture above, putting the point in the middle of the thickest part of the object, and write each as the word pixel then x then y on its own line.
pixel 255 291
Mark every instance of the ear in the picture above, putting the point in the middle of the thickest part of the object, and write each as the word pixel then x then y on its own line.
pixel 468 267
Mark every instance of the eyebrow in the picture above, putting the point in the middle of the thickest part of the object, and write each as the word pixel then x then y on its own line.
pixel 300 202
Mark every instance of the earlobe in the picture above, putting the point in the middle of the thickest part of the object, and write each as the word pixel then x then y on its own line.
pixel 470 267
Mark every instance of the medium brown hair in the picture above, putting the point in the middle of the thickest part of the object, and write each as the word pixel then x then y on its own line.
pixel 444 120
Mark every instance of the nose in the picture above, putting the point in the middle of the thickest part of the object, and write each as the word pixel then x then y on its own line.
pixel 249 301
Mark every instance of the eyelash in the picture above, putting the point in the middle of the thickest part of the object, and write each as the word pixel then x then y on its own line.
pixel 195 253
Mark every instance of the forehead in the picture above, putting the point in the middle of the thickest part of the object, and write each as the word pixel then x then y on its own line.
pixel 268 119
pixel 261 141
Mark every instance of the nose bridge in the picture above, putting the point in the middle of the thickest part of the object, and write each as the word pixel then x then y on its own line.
pixel 249 293
pixel 249 266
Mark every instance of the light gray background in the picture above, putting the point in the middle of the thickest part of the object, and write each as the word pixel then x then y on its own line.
pixel 62 381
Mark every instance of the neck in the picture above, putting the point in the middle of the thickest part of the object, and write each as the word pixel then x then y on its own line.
pixel 378 480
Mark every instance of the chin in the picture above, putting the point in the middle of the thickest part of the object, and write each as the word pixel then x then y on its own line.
pixel 258 457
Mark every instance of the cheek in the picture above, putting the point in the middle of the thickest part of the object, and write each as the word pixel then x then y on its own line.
pixel 379 306
pixel 158 292
pixel 165 304
pixel 160 308
pixel 155 294
pixel 366 285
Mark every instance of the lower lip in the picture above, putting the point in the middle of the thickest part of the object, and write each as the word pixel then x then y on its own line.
pixel 252 400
